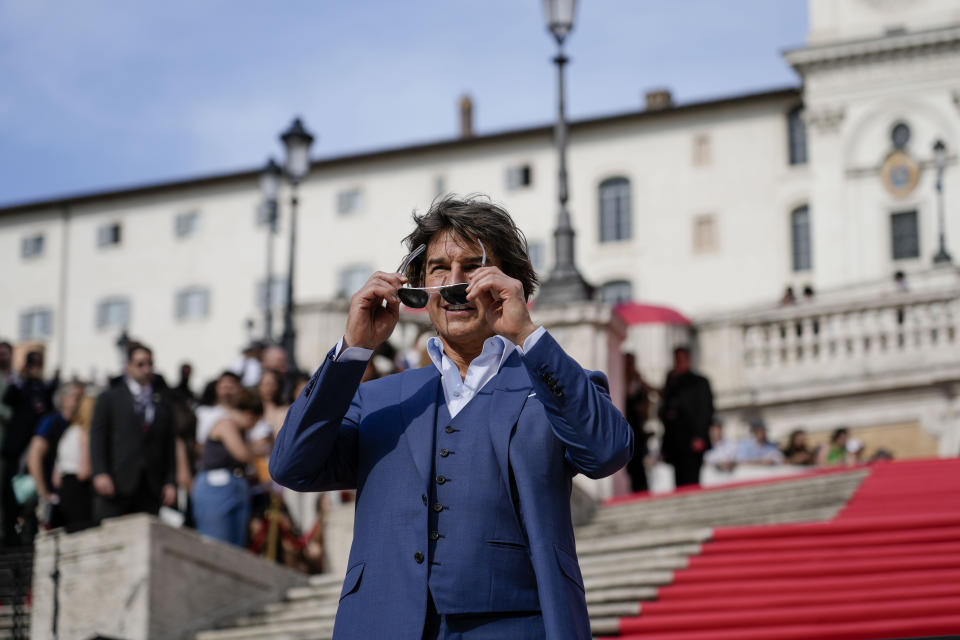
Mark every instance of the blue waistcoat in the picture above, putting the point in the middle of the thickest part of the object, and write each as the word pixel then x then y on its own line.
pixel 472 521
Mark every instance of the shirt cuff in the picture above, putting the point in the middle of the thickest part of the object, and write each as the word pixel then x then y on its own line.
pixel 533 338
pixel 352 354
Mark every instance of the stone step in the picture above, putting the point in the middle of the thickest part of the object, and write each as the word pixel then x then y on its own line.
pixel 838 488
pixel 674 563
pixel 605 626
pixel 293 630
pixel 620 594
pixel 325 612
pixel 618 609
pixel 633 579
pixel 308 592
pixel 633 541
pixel 325 579
pixel 616 557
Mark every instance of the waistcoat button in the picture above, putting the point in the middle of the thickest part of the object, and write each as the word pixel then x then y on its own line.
pixel 423 498
pixel 434 535
pixel 449 429
pixel 437 507
pixel 444 453
pixel 441 479
pixel 418 557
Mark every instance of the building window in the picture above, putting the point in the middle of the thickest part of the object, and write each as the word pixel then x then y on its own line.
pixel 113 313
pixel 519 176
pixel 616 292
pixel 108 234
pixel 186 223
pixel 800 238
pixel 439 186
pixel 350 201
pixel 192 303
pixel 614 210
pixel 537 252
pixel 36 324
pixel 32 246
pixel 797 136
pixel 278 293
pixel 351 278
pixel 263 212
pixel 905 235
pixel 705 234
pixel 701 150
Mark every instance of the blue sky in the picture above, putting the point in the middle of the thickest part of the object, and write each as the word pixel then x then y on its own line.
pixel 102 94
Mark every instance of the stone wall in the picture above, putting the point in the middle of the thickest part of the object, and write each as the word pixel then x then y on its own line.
pixel 136 578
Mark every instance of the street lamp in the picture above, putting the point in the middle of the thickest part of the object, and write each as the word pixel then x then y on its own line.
pixel 940 161
pixel 296 142
pixel 269 187
pixel 564 284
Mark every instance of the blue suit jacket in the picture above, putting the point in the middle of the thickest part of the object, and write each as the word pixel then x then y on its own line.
pixel 549 420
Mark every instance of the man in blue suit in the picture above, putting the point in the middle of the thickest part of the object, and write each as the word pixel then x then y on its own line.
pixel 463 468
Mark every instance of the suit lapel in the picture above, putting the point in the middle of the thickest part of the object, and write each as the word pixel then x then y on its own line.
pixel 513 387
pixel 418 406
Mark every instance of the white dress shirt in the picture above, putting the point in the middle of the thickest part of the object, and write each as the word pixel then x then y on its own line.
pixel 458 391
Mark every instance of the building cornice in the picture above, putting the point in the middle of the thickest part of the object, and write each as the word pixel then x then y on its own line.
pixel 785 94
pixel 819 57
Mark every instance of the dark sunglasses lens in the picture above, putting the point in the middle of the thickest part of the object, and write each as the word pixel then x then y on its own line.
pixel 455 293
pixel 413 298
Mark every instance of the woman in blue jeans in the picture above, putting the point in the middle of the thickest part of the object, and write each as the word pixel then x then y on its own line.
pixel 221 504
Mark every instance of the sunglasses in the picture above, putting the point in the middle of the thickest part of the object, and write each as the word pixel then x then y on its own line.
pixel 417 297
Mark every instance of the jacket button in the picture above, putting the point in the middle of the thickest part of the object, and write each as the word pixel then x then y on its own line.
pixel 434 535
pixel 418 557
pixel 441 479
pixel 444 453
pixel 449 429
pixel 423 498
pixel 437 507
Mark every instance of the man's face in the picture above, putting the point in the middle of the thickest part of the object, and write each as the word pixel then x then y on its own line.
pixel 449 260
pixel 275 358
pixel 681 362
pixel 140 366
pixel 227 390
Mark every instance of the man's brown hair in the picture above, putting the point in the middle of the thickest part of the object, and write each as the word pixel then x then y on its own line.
pixel 474 217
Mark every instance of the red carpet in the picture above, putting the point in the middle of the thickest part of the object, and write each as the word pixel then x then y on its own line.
pixel 888 566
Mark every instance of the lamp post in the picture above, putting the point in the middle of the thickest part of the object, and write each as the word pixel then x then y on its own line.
pixel 296 143
pixel 940 160
pixel 564 284
pixel 269 186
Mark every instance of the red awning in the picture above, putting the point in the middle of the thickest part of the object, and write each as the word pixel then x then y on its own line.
pixel 636 313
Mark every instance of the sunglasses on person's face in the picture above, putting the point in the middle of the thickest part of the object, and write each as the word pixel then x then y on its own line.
pixel 418 297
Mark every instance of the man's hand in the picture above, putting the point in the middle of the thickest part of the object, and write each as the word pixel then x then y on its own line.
pixel 103 484
pixel 369 322
pixel 169 495
pixel 503 303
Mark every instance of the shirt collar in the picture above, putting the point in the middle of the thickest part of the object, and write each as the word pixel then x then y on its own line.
pixel 495 345
pixel 135 387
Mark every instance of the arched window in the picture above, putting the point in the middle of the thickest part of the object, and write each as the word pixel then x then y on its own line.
pixel 614 210
pixel 800 238
pixel 797 136
pixel 616 291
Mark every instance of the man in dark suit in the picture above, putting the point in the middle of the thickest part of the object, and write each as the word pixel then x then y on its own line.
pixel 132 443
pixel 686 409
pixel 463 468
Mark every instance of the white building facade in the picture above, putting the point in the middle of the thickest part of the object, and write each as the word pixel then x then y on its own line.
pixel 711 208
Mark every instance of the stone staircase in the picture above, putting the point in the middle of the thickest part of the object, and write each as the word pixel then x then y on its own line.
pixel 627 551
pixel 16 570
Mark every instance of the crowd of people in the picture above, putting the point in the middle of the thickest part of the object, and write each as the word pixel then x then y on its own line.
pixel 74 454
pixel 693 435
